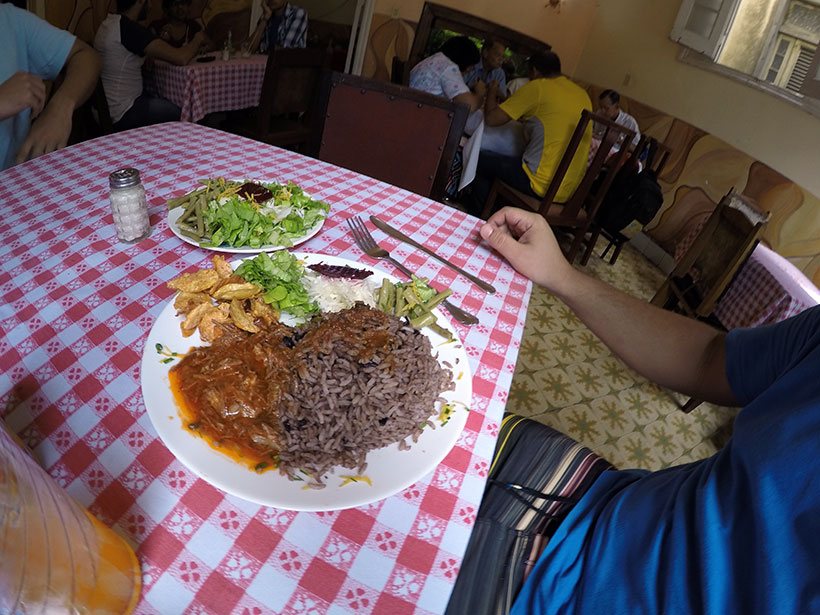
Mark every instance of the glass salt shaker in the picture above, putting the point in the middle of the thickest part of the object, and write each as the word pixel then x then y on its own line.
pixel 128 205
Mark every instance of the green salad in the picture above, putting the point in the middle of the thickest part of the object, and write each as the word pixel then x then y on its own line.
pixel 280 275
pixel 248 214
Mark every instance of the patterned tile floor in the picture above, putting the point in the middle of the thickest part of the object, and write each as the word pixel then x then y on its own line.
pixel 567 379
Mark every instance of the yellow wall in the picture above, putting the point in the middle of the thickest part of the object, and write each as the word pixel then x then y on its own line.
pixel 565 28
pixel 631 37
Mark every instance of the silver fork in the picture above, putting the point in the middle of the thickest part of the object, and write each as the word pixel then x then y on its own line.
pixel 369 246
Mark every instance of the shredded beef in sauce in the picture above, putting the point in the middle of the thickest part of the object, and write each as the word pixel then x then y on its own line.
pixel 235 387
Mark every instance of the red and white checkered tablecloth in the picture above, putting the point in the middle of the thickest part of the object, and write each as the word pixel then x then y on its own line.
pixel 765 292
pixel 762 292
pixel 202 88
pixel 77 307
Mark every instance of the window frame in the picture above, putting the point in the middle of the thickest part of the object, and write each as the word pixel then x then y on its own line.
pixel 700 58
pixel 693 58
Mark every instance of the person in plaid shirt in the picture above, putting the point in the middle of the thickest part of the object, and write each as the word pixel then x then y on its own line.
pixel 282 25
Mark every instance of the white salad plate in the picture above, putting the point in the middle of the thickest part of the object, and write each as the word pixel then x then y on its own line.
pixel 389 470
pixel 174 214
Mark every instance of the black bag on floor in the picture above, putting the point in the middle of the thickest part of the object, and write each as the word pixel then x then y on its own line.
pixel 633 195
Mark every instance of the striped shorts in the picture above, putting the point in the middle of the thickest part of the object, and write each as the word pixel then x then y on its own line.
pixel 536 477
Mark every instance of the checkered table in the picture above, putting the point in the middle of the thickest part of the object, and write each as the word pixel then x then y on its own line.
pixel 77 307
pixel 766 288
pixel 202 88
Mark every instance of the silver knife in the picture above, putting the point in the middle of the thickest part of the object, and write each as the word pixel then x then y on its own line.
pixel 381 224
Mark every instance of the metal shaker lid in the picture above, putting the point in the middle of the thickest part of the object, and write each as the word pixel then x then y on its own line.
pixel 124 178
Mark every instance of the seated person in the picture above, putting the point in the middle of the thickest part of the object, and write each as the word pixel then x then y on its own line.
pixel 515 84
pixel 609 105
pixel 734 533
pixel 282 25
pixel 442 74
pixel 34 50
pixel 489 69
pixel 176 28
pixel 124 44
pixel 550 105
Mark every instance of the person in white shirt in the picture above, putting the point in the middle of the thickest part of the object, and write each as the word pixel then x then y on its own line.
pixel 124 44
pixel 442 74
pixel 609 105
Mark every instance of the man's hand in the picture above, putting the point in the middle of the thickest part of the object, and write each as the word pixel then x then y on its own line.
pixel 22 91
pixel 480 89
pixel 53 126
pixel 50 132
pixel 525 239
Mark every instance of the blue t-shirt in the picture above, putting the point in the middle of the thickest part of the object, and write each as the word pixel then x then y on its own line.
pixel 736 533
pixel 33 46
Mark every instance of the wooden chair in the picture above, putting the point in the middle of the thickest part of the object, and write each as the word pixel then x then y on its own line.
pixel 655 156
pixel 707 268
pixel 91 119
pixel 710 264
pixel 289 113
pixel 575 215
pixel 391 132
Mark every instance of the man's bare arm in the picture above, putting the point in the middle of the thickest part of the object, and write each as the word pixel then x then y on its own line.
pixel 180 56
pixel 669 349
pixel 52 127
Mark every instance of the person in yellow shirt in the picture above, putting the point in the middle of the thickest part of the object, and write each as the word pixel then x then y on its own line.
pixel 550 106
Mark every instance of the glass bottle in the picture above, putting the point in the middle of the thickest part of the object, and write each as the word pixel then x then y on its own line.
pixel 128 205
pixel 228 48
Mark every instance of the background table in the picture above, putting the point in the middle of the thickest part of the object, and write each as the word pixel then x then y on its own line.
pixel 202 88
pixel 77 308
pixel 766 290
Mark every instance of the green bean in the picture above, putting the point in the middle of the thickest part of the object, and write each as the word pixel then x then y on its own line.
pixel 437 299
pixel 422 321
pixel 398 308
pixel 382 300
pixel 189 232
pixel 200 222
pixel 440 330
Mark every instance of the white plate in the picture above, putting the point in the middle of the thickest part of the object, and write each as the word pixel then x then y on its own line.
pixel 389 469
pixel 174 214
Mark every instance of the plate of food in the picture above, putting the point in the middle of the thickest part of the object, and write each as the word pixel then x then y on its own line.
pixel 305 381
pixel 246 217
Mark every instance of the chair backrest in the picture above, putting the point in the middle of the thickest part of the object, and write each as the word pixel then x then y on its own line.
pixel 292 85
pixel 723 245
pixel 599 174
pixel 391 132
pixel 651 152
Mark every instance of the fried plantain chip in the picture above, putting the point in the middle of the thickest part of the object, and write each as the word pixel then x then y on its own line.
pixel 263 311
pixel 209 325
pixel 185 301
pixel 194 317
pixel 241 318
pixel 236 290
pixel 222 267
pixel 195 282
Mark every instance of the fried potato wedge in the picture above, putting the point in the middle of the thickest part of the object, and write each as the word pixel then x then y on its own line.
pixel 197 282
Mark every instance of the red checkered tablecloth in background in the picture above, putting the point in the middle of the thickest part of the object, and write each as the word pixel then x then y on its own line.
pixel 77 307
pixel 202 88
pixel 758 295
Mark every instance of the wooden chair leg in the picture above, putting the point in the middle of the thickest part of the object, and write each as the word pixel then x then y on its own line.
pixel 489 204
pixel 593 239
pixel 577 240
pixel 618 247
pixel 691 405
